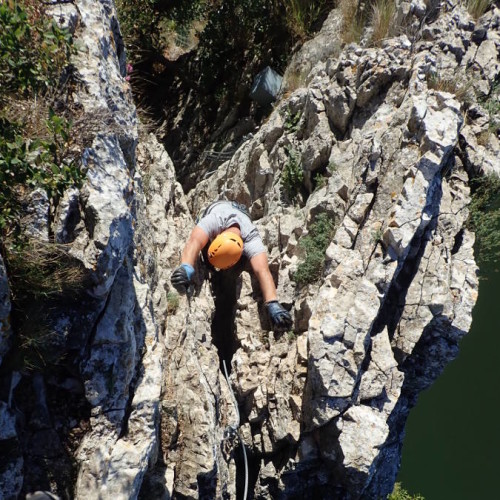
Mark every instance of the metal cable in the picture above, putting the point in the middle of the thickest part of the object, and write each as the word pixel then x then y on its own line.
pixel 245 493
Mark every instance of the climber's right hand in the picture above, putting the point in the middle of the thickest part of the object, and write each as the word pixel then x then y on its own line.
pixel 182 277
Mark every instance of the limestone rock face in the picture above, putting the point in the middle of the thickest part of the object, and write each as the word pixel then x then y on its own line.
pixel 399 282
pixel 386 153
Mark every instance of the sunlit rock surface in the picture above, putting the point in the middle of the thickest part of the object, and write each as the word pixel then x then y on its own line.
pixel 386 153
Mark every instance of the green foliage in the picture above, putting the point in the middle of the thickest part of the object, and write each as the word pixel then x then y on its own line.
pixel 33 154
pixel 172 302
pixel 399 493
pixel 33 163
pixel 32 53
pixel 315 245
pixel 302 15
pixel 377 235
pixel 320 181
pixel 238 33
pixel 332 167
pixel 139 24
pixel 293 175
pixel 484 218
pixel 148 25
pixel 292 121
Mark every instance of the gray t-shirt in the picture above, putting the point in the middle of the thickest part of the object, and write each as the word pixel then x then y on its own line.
pixel 222 215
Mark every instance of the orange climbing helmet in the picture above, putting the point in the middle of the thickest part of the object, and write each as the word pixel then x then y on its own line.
pixel 225 250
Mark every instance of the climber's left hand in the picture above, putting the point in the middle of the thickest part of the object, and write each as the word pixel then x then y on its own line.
pixel 280 317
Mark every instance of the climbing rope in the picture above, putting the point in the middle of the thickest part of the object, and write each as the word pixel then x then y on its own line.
pixel 235 429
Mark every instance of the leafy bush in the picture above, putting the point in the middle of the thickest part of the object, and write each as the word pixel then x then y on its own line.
pixel 33 52
pixel 292 121
pixel 484 218
pixel 399 493
pixel 27 164
pixel 315 245
pixel 150 26
pixel 293 175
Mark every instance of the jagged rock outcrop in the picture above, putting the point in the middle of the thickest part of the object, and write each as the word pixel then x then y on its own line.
pixel 386 153
pixel 400 278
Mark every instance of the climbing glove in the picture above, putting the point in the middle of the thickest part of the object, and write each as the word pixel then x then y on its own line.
pixel 280 317
pixel 181 278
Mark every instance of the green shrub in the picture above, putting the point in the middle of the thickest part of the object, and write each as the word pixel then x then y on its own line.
pixel 399 493
pixel 31 163
pixel 320 181
pixel 292 121
pixel 484 218
pixel 315 245
pixel 172 302
pixel 150 26
pixel 293 175
pixel 33 52
pixel 377 235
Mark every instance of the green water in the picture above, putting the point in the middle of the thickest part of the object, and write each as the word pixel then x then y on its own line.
pixel 452 445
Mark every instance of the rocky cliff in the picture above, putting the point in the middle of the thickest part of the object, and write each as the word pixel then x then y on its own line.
pixel 385 140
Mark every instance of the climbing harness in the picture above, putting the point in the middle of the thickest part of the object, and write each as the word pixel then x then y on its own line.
pixel 234 430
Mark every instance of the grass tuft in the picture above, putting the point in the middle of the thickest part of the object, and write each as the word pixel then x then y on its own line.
pixel 39 269
pixel 352 23
pixel 382 20
pixel 315 245
pixel 477 8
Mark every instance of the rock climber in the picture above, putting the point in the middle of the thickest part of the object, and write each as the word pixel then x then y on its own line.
pixel 223 233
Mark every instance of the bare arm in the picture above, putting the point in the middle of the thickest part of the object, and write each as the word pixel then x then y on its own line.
pixel 260 267
pixel 197 240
